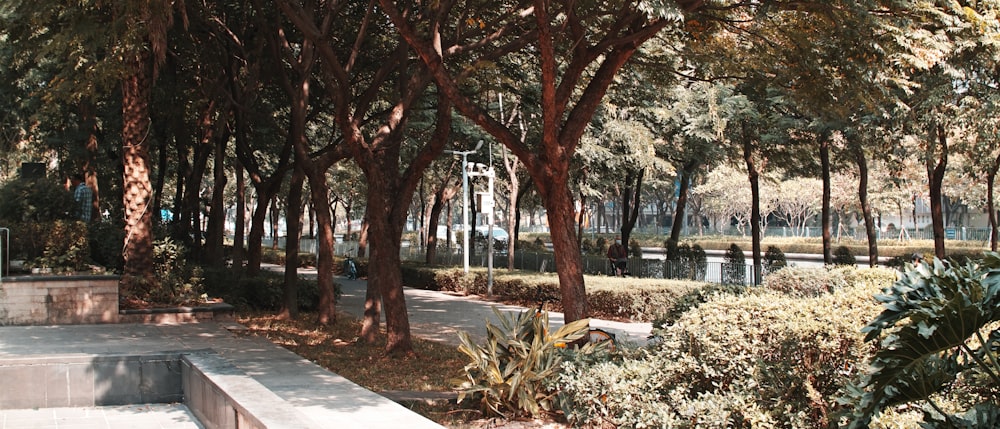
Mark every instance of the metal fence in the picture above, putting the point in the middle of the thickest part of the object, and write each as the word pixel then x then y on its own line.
pixel 712 272
pixel 951 233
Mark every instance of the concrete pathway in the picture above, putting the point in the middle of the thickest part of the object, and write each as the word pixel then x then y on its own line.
pixel 438 316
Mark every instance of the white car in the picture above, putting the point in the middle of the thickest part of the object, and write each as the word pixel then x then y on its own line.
pixel 500 238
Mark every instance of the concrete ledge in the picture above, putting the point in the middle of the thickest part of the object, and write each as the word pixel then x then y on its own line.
pixel 223 397
pixel 217 312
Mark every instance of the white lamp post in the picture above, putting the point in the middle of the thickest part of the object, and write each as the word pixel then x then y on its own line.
pixel 465 201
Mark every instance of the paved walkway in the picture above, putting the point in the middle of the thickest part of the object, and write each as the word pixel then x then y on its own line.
pixel 439 316
pixel 324 397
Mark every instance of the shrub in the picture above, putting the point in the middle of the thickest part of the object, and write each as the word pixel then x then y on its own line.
pixel 774 259
pixel 511 372
pixel 601 246
pixel 106 238
pixel 939 334
pixel 29 200
pixel 842 256
pixel 809 282
pixel 693 299
pixel 261 292
pixel 761 359
pixel 700 261
pixel 734 267
pixel 634 249
pixel 66 247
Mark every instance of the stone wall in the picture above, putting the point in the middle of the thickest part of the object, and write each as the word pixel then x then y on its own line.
pixel 58 300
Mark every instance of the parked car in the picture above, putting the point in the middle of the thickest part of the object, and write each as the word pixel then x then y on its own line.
pixel 500 238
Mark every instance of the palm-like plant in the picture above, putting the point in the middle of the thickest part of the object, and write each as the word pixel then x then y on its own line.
pixel 511 371
pixel 938 329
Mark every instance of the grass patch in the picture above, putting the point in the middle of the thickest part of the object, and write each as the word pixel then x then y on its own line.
pixel 336 348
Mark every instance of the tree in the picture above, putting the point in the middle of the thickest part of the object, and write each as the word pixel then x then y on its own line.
pixel 591 42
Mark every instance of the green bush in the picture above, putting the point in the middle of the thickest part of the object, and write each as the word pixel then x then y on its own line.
pixel 734 267
pixel 510 374
pixel 106 238
pixel 939 342
pixel 634 249
pixel 762 359
pixel 774 259
pixel 177 281
pixel 66 247
pixel 692 299
pixel 800 281
pixel 30 200
pixel 842 256
pixel 261 292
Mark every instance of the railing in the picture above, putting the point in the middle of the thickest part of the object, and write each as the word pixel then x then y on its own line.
pixel 712 272
pixel 951 233
pixel 4 252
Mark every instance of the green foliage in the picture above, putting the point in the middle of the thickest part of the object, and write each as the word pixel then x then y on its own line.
pixel 734 265
pixel 106 238
pixel 511 372
pixel 811 282
pixel 26 200
pixel 774 259
pixel 177 281
pixel 760 359
pixel 634 249
pixel 608 297
pixel 66 247
pixel 842 256
pixel 692 299
pixel 939 341
pixel 261 292
pixel 685 262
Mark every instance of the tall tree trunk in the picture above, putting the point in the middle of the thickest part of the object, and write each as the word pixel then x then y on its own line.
pixel 239 232
pixel 866 207
pixel 138 247
pixel 216 231
pixel 442 195
pixel 754 176
pixel 631 204
pixel 257 220
pixel 991 176
pixel 558 201
pixel 682 198
pixel 293 221
pixel 825 212
pixel 935 177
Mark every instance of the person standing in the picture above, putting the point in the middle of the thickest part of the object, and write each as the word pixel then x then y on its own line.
pixel 84 198
pixel 618 256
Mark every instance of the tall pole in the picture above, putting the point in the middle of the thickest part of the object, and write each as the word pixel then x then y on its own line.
pixel 465 213
pixel 465 201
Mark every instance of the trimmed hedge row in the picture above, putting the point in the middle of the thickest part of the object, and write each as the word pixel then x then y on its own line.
pixel 609 297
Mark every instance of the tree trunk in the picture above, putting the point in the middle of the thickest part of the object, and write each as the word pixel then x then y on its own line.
pixel 935 176
pixel 682 198
pixel 215 234
pixel 569 264
pixel 324 265
pixel 90 128
pixel 385 280
pixel 239 233
pixel 631 204
pixel 443 194
pixel 255 240
pixel 991 176
pixel 754 177
pixel 138 248
pixel 293 221
pixel 866 207
pixel 824 157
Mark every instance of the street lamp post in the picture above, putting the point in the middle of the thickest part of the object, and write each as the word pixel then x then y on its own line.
pixel 487 207
pixel 465 201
